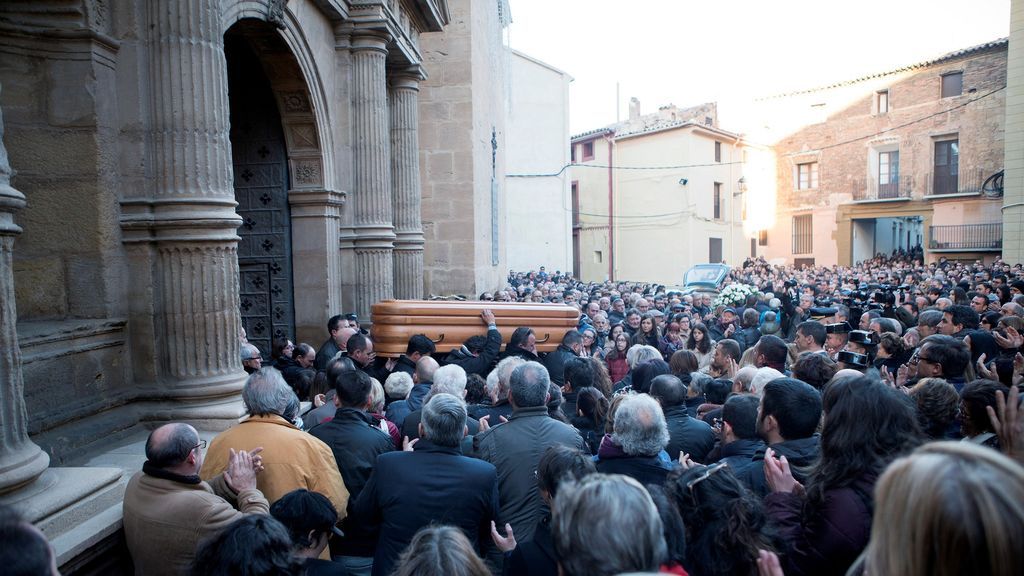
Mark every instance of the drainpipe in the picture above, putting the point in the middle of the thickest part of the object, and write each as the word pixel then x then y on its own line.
pixel 611 212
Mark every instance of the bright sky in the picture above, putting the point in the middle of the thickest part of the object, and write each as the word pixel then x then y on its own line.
pixel 686 52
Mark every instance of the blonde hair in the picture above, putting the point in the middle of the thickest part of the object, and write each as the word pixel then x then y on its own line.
pixel 376 396
pixel 948 508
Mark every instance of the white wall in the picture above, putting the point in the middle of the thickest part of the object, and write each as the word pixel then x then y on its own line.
pixel 538 211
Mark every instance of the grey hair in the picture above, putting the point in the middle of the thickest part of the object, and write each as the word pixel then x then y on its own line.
pixel 930 318
pixel 640 426
pixel 266 392
pixel 398 385
pixel 745 377
pixel 764 375
pixel 450 379
pixel 444 420
pixel 502 376
pixel 180 441
pixel 249 352
pixel 589 544
pixel 698 381
pixel 529 385
pixel 639 354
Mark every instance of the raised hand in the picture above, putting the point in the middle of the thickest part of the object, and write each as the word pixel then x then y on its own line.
pixel 1013 339
pixel 988 372
pixel 503 543
pixel 768 564
pixel 241 473
pixel 1008 424
pixel 487 316
pixel 778 475
pixel 408 444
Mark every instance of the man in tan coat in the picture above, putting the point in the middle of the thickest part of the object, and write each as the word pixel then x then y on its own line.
pixel 168 510
pixel 292 459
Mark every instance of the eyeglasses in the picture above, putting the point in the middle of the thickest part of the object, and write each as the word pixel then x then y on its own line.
pixel 708 471
pixel 201 445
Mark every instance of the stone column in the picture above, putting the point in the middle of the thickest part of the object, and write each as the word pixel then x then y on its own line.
pixel 375 232
pixel 21 461
pixel 1013 161
pixel 186 227
pixel 405 178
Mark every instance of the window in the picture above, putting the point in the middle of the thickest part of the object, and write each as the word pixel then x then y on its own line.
pixel 714 250
pixel 588 150
pixel 718 151
pixel 762 237
pixel 718 201
pixel 807 176
pixel 889 174
pixel 882 101
pixel 572 153
pixel 753 247
pixel 598 257
pixel 803 234
pixel 947 167
pixel 952 84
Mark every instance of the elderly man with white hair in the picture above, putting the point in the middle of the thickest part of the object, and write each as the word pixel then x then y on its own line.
pixel 639 437
pixel 496 405
pixel 762 377
pixel 292 458
pixel 636 356
pixel 450 379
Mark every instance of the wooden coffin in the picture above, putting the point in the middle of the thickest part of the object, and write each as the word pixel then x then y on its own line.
pixel 450 323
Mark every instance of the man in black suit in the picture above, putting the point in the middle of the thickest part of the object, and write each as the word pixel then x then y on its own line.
pixel 433 483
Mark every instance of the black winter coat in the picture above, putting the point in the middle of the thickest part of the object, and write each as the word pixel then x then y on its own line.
pixel 687 435
pixel 515 448
pixel 555 362
pixel 481 364
pixel 356 444
pixel 430 485
pixel 800 453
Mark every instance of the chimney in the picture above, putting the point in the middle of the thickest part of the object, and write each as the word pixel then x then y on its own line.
pixel 634 109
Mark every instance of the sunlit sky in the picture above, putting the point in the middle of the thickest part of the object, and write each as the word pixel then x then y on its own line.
pixel 686 52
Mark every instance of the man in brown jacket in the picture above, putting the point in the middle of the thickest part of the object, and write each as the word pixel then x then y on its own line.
pixel 293 459
pixel 168 510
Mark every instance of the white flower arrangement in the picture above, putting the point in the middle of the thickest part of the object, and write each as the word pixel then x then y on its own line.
pixel 734 294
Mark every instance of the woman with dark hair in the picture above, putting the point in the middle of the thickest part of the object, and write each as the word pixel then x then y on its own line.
pixel 602 379
pixel 866 425
pixel 672 529
pixel 990 320
pixel 616 358
pixel 683 363
pixel 555 402
pixel 648 333
pixel 937 407
pixel 281 347
pixel 255 545
pixel 609 342
pixel 725 524
pixel 701 344
pixel 591 415
pixel 1003 291
pixel 671 341
pixel 522 343
pixel 537 557
pixel 647 371
pixel 959 297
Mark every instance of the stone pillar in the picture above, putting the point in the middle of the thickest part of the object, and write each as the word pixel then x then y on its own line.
pixel 405 178
pixel 21 461
pixel 375 232
pixel 185 229
pixel 1013 162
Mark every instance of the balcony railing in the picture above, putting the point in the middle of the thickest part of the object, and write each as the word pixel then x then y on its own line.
pixel 980 237
pixel 870 189
pixel 969 180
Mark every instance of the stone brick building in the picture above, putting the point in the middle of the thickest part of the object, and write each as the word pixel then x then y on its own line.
pixel 181 169
pixel 894 160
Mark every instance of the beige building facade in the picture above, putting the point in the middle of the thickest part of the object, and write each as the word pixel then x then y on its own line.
pixel 177 171
pixel 658 193
pixel 538 212
pixel 1013 180
pixel 911 157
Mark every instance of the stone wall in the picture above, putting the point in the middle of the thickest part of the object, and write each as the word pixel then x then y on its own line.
pixel 844 132
pixel 461 102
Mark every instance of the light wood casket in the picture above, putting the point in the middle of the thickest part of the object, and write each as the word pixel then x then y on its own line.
pixel 450 323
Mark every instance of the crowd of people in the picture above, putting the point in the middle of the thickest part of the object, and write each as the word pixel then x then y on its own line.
pixel 860 420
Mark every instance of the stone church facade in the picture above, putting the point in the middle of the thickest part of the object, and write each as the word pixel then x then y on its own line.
pixel 179 170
